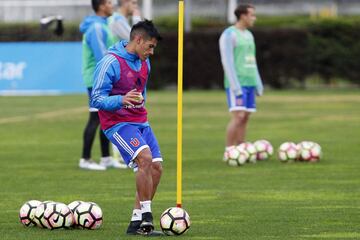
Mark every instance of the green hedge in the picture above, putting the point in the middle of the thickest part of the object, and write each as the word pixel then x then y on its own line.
pixel 286 55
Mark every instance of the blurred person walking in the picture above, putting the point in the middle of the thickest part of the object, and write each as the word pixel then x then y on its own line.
pixel 97 38
pixel 242 80
pixel 120 22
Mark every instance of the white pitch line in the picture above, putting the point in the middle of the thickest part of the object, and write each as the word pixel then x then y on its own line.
pixel 44 115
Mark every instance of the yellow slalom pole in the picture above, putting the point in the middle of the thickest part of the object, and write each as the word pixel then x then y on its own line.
pixel 179 104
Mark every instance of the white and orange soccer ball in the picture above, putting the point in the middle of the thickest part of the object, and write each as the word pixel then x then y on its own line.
pixel 288 151
pixel 309 151
pixel 27 212
pixel 88 215
pixel 58 215
pixel 264 149
pixel 174 221
pixel 250 149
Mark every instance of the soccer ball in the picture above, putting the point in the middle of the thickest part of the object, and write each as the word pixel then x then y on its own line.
pixel 243 155
pixel 264 149
pixel 231 155
pixel 288 151
pixel 309 151
pixel 250 149
pixel 236 156
pixel 58 215
pixel 174 221
pixel 39 214
pixel 27 212
pixel 88 215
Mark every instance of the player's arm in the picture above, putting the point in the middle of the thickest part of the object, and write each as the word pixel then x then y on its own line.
pixel 149 69
pixel 106 72
pixel 259 84
pixel 97 39
pixel 227 43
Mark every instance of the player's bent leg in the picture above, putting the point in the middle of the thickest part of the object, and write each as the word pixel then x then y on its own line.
pixel 156 172
pixel 134 225
pixel 144 184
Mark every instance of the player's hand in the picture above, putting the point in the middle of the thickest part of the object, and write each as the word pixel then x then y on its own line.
pixel 259 91
pixel 237 92
pixel 132 97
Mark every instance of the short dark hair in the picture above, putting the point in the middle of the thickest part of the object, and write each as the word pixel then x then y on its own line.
pixel 146 28
pixel 96 4
pixel 242 9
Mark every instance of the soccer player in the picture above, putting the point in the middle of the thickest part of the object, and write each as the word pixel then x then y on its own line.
pixel 119 21
pixel 242 79
pixel 96 40
pixel 119 92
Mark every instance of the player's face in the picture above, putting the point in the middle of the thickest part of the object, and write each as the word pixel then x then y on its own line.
pixel 249 18
pixel 107 7
pixel 132 6
pixel 145 47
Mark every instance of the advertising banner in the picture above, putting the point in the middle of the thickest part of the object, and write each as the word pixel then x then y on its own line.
pixel 40 68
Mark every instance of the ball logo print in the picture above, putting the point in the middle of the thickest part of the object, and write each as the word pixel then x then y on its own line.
pixel 135 142
pixel 88 215
pixel 58 215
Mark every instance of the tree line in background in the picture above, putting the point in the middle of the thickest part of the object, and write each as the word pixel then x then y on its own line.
pixel 287 55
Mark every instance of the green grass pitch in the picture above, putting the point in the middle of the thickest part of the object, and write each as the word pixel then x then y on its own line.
pixel 41 140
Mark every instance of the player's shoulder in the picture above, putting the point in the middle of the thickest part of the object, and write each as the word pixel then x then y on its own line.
pixel 229 32
pixel 119 18
pixel 96 28
pixel 108 61
pixel 229 29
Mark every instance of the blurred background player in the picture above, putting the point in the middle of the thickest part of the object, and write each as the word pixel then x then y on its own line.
pixel 242 79
pixel 119 92
pixel 120 22
pixel 97 38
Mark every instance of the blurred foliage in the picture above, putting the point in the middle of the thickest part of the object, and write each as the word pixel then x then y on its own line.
pixel 289 49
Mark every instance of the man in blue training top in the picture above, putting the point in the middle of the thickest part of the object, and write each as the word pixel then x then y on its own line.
pixel 97 38
pixel 119 92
